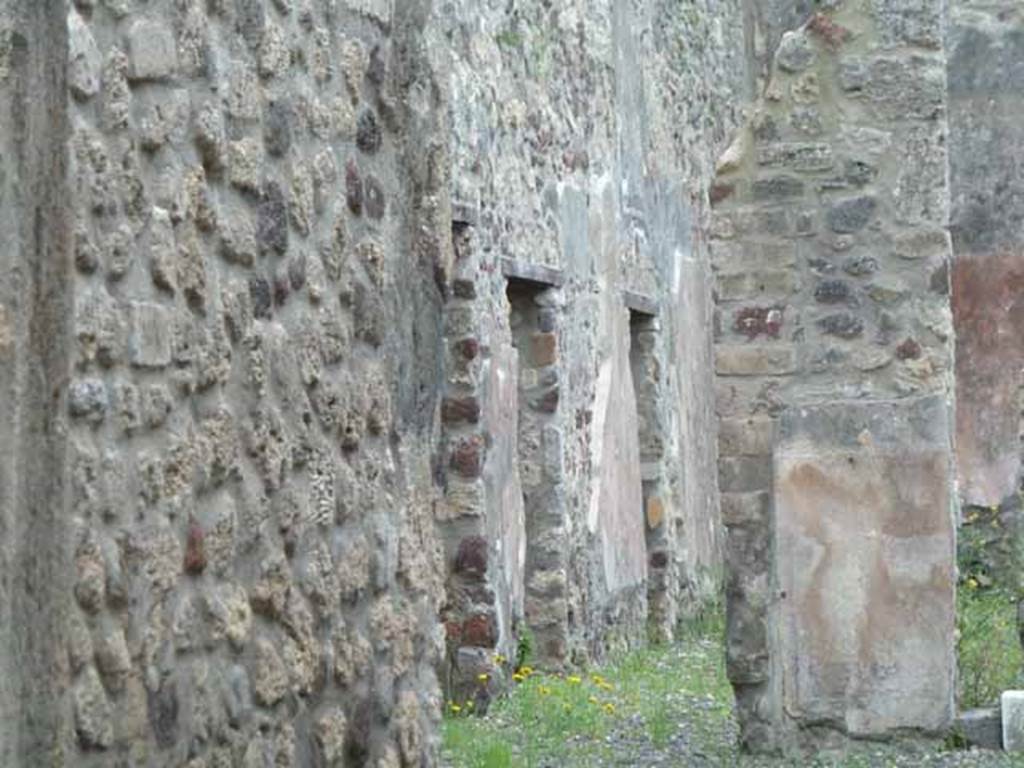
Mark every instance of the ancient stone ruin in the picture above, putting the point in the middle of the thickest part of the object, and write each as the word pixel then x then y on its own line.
pixel 348 345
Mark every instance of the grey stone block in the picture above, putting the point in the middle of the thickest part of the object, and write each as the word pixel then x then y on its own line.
pixel 1013 720
pixel 981 727
pixel 795 52
pixel 852 215
pixel 150 341
pixel 152 52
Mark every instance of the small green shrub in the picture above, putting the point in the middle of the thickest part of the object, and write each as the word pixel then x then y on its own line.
pixel 524 647
pixel 509 39
pixel 988 648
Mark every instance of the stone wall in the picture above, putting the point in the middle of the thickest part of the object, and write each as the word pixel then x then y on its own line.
pixel 834 361
pixel 223 312
pixel 986 51
pixel 767 21
pixel 583 142
pixel 35 351
pixel 335 328
pixel 348 343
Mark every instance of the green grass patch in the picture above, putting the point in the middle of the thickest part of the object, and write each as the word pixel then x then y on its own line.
pixel 676 702
pixel 567 720
pixel 988 647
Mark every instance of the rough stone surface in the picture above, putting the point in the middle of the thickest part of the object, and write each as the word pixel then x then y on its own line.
pixel 241 481
pixel 985 54
pixel 342 342
pixel 300 420
pixel 834 328
pixel 858 662
pixel 598 433
pixel 981 727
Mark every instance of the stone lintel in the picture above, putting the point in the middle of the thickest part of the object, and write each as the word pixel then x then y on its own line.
pixel 640 302
pixel 539 274
pixel 465 213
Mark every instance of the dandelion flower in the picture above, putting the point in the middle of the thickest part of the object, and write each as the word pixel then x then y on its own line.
pixel 455 708
pixel 609 708
pixel 483 677
pixel 574 680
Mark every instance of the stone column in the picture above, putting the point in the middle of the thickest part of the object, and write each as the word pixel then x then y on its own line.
pixel 986 57
pixel 35 307
pixel 834 364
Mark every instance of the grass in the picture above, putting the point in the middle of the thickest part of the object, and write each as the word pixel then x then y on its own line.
pixel 674 702
pixel 988 647
pixel 585 719
pixel 988 650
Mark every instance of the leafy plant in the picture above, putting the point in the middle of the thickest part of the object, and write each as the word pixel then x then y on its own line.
pixel 988 648
pixel 524 647
pixel 509 38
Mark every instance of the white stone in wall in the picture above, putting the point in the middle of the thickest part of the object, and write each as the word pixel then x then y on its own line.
pixel 152 53
pixel 1013 720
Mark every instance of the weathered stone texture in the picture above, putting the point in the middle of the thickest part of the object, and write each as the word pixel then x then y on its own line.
pixel 833 329
pixel 257 319
pixel 40 711
pixel 347 341
pixel 248 468
pixel 863 511
pixel 580 177
pixel 986 56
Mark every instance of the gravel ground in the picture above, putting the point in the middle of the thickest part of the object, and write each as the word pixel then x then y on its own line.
pixel 707 735
pixel 631 746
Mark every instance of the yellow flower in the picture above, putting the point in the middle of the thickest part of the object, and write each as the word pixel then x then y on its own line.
pixel 518 677
pixel 592 699
pixel 526 671
pixel 609 708
pixel 574 680
pixel 483 677
pixel 499 659
pixel 469 705
pixel 543 690
pixel 597 679
pixel 455 708
pixel 972 583
pixel 605 686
